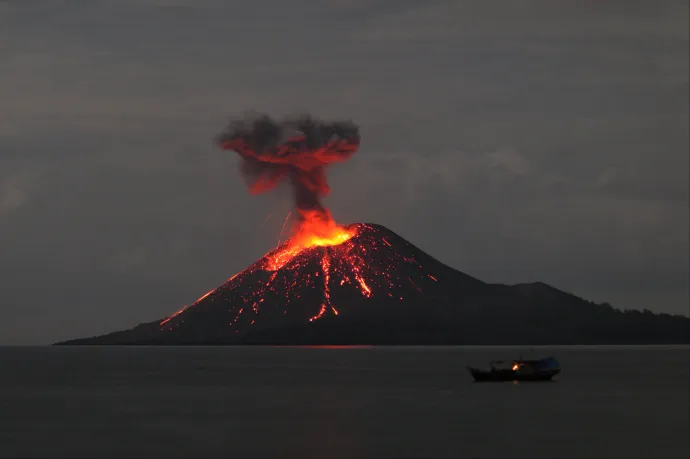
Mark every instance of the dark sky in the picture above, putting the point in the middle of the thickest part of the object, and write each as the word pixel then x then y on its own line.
pixel 515 141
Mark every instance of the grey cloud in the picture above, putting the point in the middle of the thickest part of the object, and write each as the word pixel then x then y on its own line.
pixel 537 141
pixel 529 19
pixel 15 191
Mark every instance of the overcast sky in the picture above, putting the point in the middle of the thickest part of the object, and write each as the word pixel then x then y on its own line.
pixel 514 141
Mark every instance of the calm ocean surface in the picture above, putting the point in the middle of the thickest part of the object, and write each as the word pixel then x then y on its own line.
pixel 344 402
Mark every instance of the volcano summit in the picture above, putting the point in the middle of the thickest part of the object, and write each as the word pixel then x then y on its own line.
pixel 374 287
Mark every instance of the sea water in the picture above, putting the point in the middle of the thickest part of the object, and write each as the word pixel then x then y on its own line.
pixel 339 402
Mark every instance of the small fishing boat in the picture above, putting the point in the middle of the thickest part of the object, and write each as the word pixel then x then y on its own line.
pixel 518 370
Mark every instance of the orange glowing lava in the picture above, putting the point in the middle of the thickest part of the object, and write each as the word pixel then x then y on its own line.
pixel 316 229
pixel 320 256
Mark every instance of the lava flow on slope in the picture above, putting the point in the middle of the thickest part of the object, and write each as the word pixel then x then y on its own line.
pixel 360 269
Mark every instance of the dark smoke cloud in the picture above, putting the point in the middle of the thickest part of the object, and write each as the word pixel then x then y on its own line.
pixel 296 149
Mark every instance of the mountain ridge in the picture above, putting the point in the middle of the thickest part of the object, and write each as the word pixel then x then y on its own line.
pixel 378 288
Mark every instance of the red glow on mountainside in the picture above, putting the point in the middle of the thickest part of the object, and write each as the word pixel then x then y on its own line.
pixel 325 257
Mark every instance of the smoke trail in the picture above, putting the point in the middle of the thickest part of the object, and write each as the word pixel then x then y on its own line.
pixel 295 149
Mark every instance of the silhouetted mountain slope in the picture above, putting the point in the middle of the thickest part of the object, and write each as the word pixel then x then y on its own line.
pixel 377 288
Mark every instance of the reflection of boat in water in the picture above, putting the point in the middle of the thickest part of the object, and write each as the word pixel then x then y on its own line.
pixel 518 370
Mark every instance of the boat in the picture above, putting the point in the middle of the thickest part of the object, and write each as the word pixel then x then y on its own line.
pixel 517 370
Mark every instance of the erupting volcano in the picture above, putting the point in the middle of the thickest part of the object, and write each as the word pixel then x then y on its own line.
pixel 297 283
pixel 319 270
pixel 362 283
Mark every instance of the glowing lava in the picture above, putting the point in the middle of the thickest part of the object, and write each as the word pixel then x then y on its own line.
pixel 319 269
pixel 317 229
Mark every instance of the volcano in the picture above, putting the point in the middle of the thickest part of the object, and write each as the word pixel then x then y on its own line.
pixel 364 284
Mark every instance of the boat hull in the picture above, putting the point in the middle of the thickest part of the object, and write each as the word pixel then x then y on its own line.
pixel 510 375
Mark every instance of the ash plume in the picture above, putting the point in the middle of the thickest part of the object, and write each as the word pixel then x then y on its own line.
pixel 296 149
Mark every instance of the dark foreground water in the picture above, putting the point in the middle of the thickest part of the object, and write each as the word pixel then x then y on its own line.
pixel 322 402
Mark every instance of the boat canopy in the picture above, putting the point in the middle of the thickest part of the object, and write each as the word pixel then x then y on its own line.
pixel 549 363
